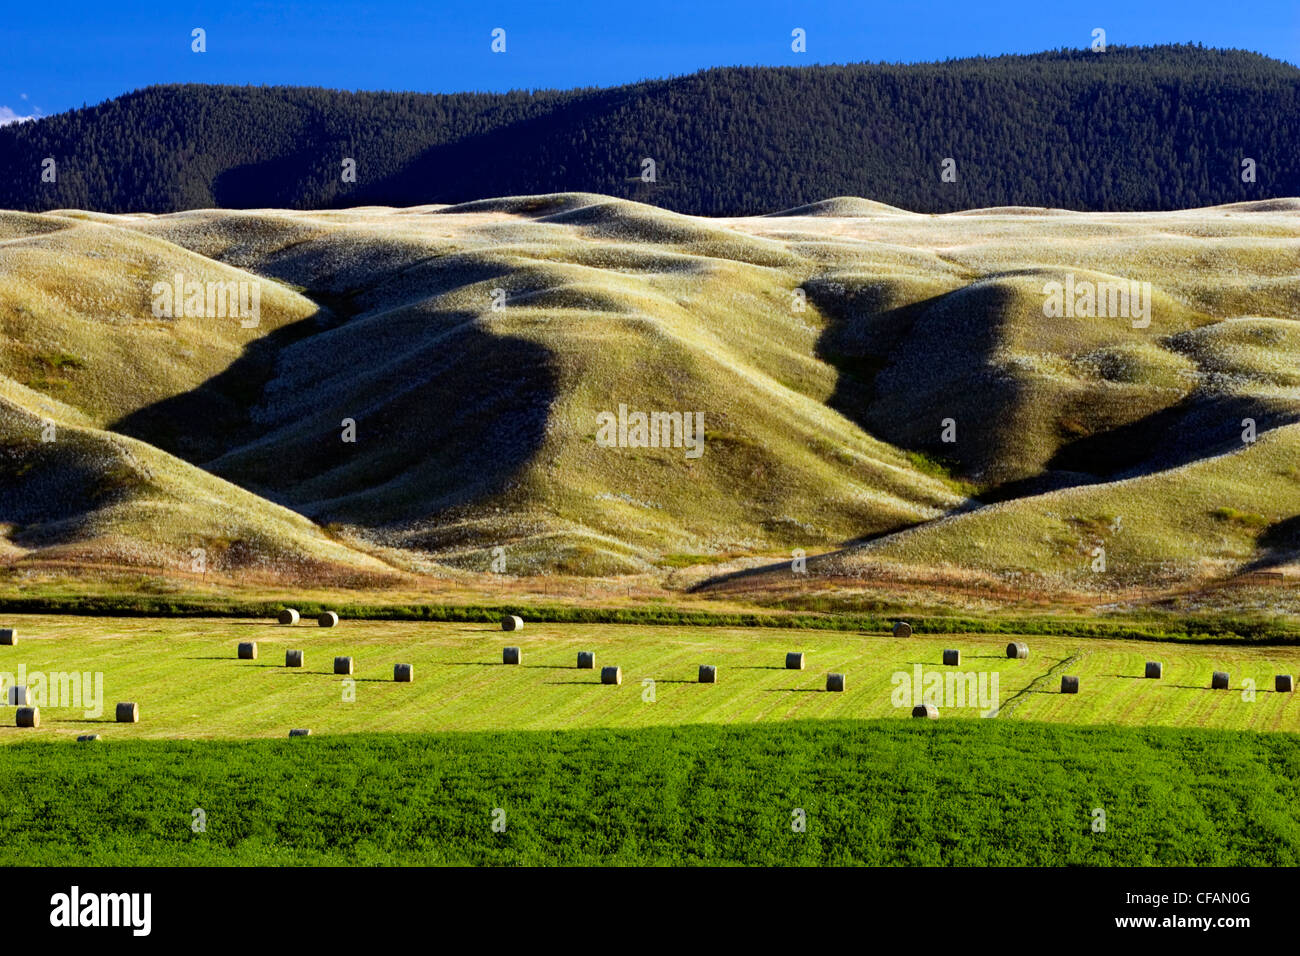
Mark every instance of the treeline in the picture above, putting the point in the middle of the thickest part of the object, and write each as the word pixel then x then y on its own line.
pixel 1175 628
pixel 1131 128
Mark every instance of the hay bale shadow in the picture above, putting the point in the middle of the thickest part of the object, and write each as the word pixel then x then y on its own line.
pixel 473 664
pixel 795 690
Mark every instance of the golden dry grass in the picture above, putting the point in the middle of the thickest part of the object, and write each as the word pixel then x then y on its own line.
pixel 476 427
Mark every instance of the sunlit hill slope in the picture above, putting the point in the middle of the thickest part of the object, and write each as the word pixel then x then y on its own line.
pixel 422 389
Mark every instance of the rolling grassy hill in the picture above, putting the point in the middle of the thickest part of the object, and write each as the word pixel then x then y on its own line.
pixel 1173 524
pixel 473 349
pixel 91 500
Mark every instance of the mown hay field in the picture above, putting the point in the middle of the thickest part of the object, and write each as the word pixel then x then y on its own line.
pixel 189 683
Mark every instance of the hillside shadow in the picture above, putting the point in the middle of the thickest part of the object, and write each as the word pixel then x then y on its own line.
pixel 274 183
pixel 1196 428
pixel 488 164
pixel 881 383
pixel 458 416
pixel 1279 544
pixel 47 493
pixel 859 340
pixel 1199 426
pixel 212 418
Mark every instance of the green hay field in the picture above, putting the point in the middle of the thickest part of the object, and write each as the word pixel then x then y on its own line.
pixel 186 678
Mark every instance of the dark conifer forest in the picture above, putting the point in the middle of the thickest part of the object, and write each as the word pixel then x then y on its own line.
pixel 1129 129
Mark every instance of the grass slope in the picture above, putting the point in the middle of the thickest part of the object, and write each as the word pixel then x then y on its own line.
pixel 476 428
pixel 1218 513
pixel 76 320
pixel 88 498
pixel 607 303
pixel 872 792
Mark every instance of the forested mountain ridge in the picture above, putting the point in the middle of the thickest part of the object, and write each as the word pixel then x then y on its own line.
pixel 1132 128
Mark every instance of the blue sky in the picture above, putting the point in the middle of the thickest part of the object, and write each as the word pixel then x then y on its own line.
pixel 56 56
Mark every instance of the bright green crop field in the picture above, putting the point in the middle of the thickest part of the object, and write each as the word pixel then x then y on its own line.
pixel 188 682
pixel 871 792
pixel 659 770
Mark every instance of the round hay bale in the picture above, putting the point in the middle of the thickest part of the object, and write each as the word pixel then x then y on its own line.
pixel 19 696
pixel 128 713
pixel 708 674
pixel 1018 650
pixel 1069 685
pixel 902 629
pixel 343 665
pixel 248 650
pixel 1219 680
pixel 586 660
pixel 926 710
pixel 29 716
pixel 1282 684
pixel 511 655
pixel 8 636
pixel 611 675
pixel 404 673
pixel 300 732
pixel 794 661
pixel 1155 670
pixel 512 622
pixel 87 738
pixel 835 682
pixel 293 658
pixel 328 619
pixel 288 616
pixel 951 658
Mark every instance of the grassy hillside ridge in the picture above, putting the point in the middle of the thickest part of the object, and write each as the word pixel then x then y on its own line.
pixel 974 793
pixel 475 347
pixel 1182 527
pixel 729 141
pixel 76 306
pixel 691 310
pixel 92 497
